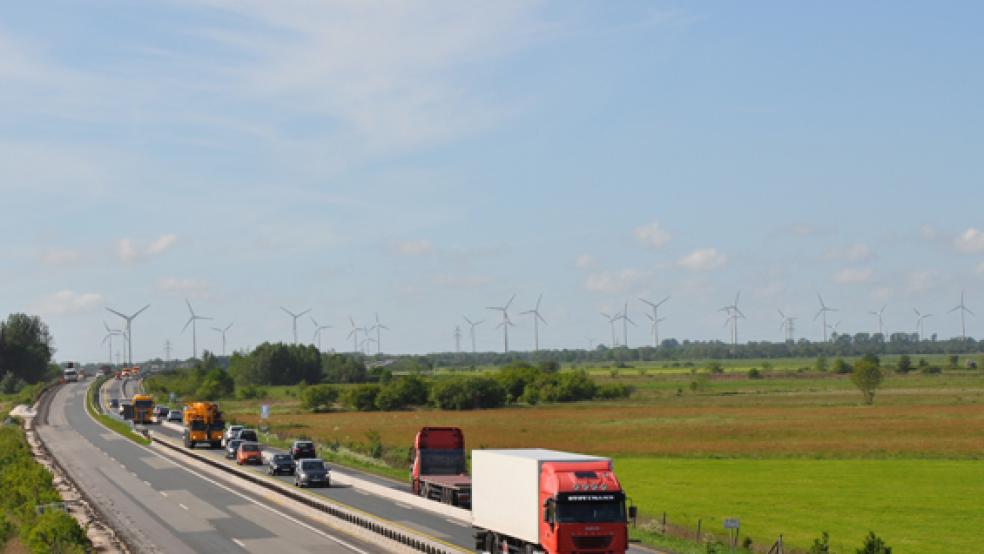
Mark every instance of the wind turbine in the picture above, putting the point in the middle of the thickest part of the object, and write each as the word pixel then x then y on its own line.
pixel 833 329
pixel 611 322
pixel 129 332
pixel 537 318
pixel 823 312
pixel 506 322
pixel 294 316
pixel 655 318
pixel 379 341
pixel 879 314
pixel 354 335
pixel 317 332
pixel 963 310
pixel 473 324
pixel 786 325
pixel 734 313
pixel 110 333
pixel 624 316
pixel 192 319
pixel 223 332
pixel 919 322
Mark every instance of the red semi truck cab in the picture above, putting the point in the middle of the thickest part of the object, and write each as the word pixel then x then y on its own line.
pixel 534 500
pixel 439 471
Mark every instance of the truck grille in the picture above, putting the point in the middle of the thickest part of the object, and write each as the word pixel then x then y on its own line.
pixel 592 543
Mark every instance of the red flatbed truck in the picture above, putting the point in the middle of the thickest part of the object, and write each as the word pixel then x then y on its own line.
pixel 438 470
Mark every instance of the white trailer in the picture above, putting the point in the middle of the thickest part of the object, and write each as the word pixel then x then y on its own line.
pixel 506 489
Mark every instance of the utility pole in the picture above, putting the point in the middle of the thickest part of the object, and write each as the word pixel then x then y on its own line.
pixel 457 338
pixel 167 350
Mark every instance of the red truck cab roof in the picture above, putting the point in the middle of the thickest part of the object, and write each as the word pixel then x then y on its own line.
pixel 586 477
pixel 439 438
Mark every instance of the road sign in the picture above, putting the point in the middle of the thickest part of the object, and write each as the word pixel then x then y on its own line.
pixel 264 411
pixel 732 523
pixel 171 397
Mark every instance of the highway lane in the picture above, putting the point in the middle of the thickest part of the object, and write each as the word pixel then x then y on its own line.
pixel 160 506
pixel 435 525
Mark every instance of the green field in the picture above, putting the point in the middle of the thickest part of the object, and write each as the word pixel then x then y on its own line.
pixel 919 506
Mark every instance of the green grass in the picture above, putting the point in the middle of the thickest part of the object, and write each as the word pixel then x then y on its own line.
pixel 107 421
pixel 923 506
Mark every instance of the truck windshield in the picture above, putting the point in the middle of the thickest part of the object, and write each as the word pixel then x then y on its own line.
pixel 442 462
pixel 591 512
pixel 143 403
pixel 197 425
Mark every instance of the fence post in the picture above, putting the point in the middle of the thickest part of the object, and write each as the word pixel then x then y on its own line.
pixel 780 544
pixel 664 523
pixel 698 530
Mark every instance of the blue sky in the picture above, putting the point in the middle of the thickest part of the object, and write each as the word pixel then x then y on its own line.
pixel 427 161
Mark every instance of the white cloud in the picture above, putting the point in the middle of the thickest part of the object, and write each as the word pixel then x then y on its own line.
pixel 651 235
pixel 853 276
pixel 462 281
pixel 970 241
pixel 68 302
pixel 162 244
pixel 704 259
pixel 412 248
pixel 919 282
pixel 130 251
pixel 615 282
pixel 61 257
pixel 585 261
pixel 194 288
pixel 854 253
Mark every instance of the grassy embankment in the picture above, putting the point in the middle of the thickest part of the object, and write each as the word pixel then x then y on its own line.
pixel 112 423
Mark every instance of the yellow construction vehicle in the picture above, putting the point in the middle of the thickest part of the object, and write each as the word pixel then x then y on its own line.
pixel 202 423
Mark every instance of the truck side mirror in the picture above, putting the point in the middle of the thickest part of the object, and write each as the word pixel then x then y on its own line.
pixel 633 512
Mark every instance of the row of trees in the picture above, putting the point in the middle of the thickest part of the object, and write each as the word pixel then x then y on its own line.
pixel 519 382
pixel 290 364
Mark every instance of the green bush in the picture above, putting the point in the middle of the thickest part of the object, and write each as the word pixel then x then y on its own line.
pixel 613 391
pixel 251 392
pixel 318 397
pixel 715 367
pixel 842 367
pixel 468 393
pixel 821 364
pixel 820 545
pixel 55 531
pixel 904 365
pixel 867 377
pixel 410 390
pixel 873 544
pixel 361 397
pixel 11 384
pixel 754 373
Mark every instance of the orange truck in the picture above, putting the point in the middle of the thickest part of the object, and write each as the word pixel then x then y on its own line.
pixel 143 409
pixel 202 423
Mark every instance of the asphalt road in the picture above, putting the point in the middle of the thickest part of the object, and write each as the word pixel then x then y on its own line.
pixel 433 525
pixel 160 506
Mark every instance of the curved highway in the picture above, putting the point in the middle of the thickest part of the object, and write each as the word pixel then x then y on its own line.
pixel 161 506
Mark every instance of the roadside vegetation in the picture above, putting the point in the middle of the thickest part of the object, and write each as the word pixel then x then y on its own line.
pixel 121 427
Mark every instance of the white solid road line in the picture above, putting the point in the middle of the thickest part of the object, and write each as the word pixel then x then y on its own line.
pixel 147 483
pixel 292 519
pixel 239 542
pixel 164 494
pixel 182 505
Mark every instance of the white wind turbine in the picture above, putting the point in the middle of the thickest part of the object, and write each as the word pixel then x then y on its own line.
pixel 823 312
pixel 624 316
pixel 833 329
pixel 506 322
pixel 192 319
pixel 457 338
pixel 294 317
pixel 786 326
pixel 878 315
pixel 655 318
pixel 537 318
pixel 317 333
pixel 223 333
pixel 110 333
pixel 128 334
pixel 963 310
pixel 733 314
pixel 472 325
pixel 611 323
pixel 920 317
pixel 379 340
pixel 354 335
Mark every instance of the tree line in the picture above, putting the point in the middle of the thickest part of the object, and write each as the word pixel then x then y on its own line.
pixel 26 348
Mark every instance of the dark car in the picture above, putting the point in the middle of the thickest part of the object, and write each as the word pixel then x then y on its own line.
pixel 281 463
pixel 311 473
pixel 302 449
pixel 114 403
pixel 247 435
pixel 231 447
pixel 161 412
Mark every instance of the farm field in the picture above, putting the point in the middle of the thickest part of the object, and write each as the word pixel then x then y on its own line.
pixel 795 453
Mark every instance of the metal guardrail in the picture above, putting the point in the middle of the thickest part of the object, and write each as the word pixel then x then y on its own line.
pixel 421 545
